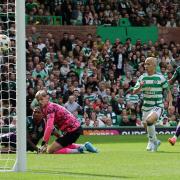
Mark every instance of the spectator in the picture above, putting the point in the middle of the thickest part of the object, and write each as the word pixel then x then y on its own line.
pixel 87 122
pixel 65 42
pixel 112 117
pixel 72 106
pixel 91 68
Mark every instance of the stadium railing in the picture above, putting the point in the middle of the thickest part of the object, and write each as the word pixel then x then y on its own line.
pixel 42 20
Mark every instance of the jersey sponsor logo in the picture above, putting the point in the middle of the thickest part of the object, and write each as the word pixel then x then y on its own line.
pixel 155 82
pixel 156 109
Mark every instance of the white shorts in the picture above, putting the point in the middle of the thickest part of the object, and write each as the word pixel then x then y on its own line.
pixel 157 110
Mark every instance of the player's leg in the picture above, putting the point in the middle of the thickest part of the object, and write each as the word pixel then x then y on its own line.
pixel 57 148
pixel 88 146
pixel 60 146
pixel 151 119
pixel 74 146
pixel 173 140
pixel 150 143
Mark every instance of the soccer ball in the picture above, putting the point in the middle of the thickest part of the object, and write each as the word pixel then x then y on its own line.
pixel 4 43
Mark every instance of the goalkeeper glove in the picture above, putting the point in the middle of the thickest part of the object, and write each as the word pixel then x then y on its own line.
pixel 43 148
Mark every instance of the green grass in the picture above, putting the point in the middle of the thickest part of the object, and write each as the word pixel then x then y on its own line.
pixel 120 157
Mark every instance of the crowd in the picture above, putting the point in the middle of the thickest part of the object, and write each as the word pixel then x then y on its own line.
pixel 164 13
pixel 91 78
pixel 97 12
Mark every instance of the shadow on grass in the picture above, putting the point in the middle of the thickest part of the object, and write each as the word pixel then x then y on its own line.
pixel 112 139
pixel 50 172
pixel 167 152
pixel 119 139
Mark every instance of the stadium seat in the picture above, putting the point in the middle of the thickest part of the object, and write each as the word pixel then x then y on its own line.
pixel 124 22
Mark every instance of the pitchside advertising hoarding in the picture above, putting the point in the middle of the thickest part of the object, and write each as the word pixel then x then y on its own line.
pixel 125 131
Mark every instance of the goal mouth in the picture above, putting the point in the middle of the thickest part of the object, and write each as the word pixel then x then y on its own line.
pixel 12 80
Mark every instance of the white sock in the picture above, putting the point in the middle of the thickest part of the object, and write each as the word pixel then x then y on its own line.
pixel 151 133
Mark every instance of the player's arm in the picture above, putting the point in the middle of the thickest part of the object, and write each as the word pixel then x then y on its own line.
pixel 28 136
pixel 56 133
pixel 31 144
pixel 48 129
pixel 138 86
pixel 167 89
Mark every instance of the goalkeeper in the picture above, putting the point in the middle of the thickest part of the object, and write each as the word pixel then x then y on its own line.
pixel 66 122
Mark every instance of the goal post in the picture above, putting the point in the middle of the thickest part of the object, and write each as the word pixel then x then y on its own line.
pixel 12 85
pixel 20 164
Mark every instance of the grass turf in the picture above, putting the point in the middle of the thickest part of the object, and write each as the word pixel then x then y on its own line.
pixel 120 157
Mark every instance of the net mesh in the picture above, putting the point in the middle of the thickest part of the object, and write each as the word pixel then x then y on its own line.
pixel 7 85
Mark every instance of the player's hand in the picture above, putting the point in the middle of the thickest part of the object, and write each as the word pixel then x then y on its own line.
pixel 142 83
pixel 43 149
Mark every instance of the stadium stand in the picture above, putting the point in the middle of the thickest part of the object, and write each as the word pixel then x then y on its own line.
pixel 84 12
pixel 98 73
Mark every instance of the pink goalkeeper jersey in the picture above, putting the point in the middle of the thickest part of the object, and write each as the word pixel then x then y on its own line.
pixel 60 117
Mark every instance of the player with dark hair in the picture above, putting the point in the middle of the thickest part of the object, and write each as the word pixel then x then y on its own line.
pixel 35 130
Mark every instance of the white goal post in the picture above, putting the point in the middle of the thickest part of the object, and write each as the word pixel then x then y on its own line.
pixel 13 161
pixel 20 164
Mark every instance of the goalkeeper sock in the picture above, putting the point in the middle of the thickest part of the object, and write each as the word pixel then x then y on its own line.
pixel 73 146
pixel 67 151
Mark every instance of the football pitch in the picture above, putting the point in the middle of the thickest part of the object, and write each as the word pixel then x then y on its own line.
pixel 120 157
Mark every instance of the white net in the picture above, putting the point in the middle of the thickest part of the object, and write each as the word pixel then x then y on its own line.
pixel 7 85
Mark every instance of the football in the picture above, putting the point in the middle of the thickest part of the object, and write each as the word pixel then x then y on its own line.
pixel 4 43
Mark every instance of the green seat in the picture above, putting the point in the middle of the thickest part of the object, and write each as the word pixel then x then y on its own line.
pixel 124 22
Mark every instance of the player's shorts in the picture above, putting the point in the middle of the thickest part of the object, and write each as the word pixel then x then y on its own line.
pixel 157 110
pixel 69 137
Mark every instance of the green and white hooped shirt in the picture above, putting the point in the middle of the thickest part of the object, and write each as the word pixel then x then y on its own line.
pixel 152 90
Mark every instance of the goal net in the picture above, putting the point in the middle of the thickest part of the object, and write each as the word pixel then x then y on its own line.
pixel 12 86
